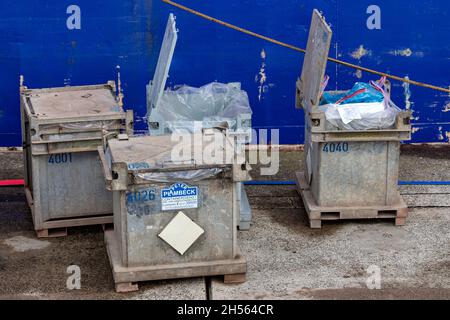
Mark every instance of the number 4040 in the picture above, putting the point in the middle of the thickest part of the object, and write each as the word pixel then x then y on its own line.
pixel 335 147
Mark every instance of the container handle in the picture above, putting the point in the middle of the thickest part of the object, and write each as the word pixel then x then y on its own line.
pixel 107 172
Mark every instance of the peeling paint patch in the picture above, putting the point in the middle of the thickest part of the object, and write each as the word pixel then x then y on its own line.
pixel 140 119
pixel 261 77
pixel 415 129
pixel 441 135
pixel 407 53
pixel 447 107
pixel 404 53
pixel 358 74
pixel 263 54
pixel 407 92
pixel 360 52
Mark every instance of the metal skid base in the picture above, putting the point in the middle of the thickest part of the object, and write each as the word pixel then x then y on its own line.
pixel 58 227
pixel 126 278
pixel 317 214
pixel 245 211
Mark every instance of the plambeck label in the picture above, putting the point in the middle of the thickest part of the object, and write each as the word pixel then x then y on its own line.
pixel 179 196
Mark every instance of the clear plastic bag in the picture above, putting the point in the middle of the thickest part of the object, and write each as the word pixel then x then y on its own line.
pixel 190 110
pixel 211 104
pixel 174 176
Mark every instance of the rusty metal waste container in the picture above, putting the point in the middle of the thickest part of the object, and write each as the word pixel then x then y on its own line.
pixel 349 174
pixel 61 130
pixel 171 219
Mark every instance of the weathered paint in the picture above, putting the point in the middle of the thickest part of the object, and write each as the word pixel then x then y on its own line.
pixel 262 76
pixel 446 108
pixel 413 41
pixel 360 53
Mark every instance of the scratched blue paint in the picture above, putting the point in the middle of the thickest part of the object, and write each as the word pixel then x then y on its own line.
pixel 35 42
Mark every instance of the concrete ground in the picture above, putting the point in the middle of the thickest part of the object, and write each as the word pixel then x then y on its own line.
pixel 286 259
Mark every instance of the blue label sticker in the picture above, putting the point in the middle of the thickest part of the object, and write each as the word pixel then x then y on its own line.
pixel 141 202
pixel 179 196
pixel 138 166
pixel 141 196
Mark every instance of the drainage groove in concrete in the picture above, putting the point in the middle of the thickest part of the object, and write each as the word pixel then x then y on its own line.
pixel 208 288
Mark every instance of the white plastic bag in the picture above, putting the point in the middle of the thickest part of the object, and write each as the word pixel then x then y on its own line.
pixel 362 115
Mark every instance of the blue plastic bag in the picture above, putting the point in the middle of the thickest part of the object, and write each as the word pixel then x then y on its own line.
pixel 360 93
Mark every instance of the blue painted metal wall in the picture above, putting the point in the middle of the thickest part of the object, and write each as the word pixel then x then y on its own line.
pixel 413 41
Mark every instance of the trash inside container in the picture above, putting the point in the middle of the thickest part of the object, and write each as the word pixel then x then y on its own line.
pixel 352 145
pixel 61 130
pixel 187 109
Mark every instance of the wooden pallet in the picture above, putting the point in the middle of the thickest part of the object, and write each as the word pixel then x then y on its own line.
pixel 126 279
pixel 317 214
pixel 62 232
pixel 58 228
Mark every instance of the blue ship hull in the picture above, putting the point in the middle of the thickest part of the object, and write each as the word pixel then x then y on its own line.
pixel 40 40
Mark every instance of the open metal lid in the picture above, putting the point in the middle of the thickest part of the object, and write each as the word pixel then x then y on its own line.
pixel 158 84
pixel 315 62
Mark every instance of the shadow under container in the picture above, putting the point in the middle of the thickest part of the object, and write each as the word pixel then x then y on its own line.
pixel 349 174
pixel 61 130
pixel 170 220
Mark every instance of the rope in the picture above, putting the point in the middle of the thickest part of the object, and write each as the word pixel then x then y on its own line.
pixel 289 46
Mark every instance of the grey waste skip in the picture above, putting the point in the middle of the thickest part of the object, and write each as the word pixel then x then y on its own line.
pixel 61 130
pixel 151 195
pixel 349 173
pixel 190 109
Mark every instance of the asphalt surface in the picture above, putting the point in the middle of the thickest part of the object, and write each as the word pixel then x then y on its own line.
pixel 286 259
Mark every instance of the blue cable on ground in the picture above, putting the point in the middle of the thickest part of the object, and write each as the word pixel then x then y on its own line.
pixel 424 183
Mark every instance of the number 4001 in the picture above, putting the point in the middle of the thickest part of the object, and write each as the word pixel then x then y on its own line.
pixel 60 158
